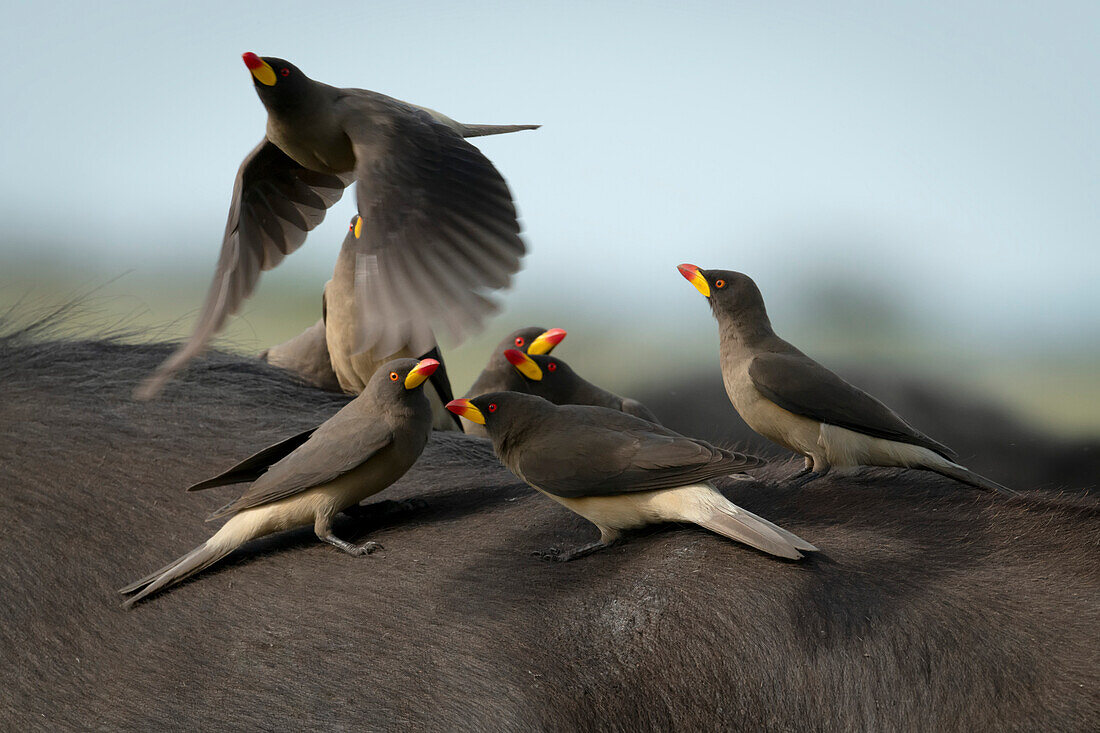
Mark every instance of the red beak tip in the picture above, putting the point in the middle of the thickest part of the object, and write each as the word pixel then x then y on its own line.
pixel 514 356
pixel 455 406
pixel 555 335
pixel 251 60
pixel 687 270
pixel 427 366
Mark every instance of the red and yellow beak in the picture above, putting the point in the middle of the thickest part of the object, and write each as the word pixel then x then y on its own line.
pixel 545 342
pixel 466 409
pixel 524 364
pixel 259 68
pixel 691 274
pixel 423 369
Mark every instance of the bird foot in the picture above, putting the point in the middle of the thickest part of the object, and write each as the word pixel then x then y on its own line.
pixel 555 554
pixel 366 548
pixel 804 477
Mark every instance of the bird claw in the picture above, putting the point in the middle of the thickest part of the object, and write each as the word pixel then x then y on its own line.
pixel 551 554
pixel 367 548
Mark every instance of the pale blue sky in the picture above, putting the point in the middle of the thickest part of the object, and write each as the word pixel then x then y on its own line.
pixel 946 151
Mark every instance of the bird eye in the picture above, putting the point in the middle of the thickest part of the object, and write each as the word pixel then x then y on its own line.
pixel 393 376
pixel 351 227
pixel 519 341
pixel 552 366
pixel 493 407
pixel 285 72
pixel 719 283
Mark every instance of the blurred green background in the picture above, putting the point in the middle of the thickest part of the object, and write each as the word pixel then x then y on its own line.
pixel 913 187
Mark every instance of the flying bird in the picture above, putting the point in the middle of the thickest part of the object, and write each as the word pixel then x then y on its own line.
pixel 792 400
pixel 552 379
pixel 620 472
pixel 311 477
pixel 438 227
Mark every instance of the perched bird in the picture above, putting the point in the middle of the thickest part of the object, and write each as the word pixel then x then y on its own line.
pixel 344 319
pixel 552 379
pixel 499 376
pixel 311 477
pixel 618 471
pixel 792 400
pixel 438 223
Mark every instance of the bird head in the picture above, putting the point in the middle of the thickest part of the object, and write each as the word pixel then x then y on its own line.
pixel 729 293
pixel 279 83
pixel 499 412
pixel 402 377
pixel 532 340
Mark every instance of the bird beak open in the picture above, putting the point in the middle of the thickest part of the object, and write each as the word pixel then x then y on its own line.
pixel 545 342
pixel 524 364
pixel 423 369
pixel 691 274
pixel 259 68
pixel 466 409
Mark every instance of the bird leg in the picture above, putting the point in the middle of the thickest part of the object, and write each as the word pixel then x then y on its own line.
pixel 323 529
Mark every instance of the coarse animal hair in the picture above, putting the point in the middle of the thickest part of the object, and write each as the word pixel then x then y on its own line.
pixel 931 606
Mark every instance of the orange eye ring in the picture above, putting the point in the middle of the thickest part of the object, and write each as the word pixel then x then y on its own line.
pixel 719 284
pixel 519 341
pixel 394 377
pixel 493 407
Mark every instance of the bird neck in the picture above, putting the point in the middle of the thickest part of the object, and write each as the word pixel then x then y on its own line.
pixel 746 331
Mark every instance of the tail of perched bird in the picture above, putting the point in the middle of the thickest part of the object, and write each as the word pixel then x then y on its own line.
pixel 233 534
pixel 481 130
pixel 708 508
pixel 961 473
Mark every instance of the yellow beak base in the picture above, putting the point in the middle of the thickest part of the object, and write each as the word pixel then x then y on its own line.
pixel 416 376
pixel 524 364
pixel 358 226
pixel 466 409
pixel 264 74
pixel 692 275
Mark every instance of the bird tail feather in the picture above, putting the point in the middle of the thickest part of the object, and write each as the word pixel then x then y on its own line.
pixel 716 513
pixel 961 473
pixel 481 130
pixel 224 541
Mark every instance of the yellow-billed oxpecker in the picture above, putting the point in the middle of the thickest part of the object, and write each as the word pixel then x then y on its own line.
pixel 552 379
pixel 311 477
pixel 499 375
pixel 792 400
pixel 438 226
pixel 618 471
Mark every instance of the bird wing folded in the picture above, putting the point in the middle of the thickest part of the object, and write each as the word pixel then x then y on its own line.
pixel 802 386
pixel 341 444
pixel 611 453
pixel 256 465
pixel 276 202
pixel 439 228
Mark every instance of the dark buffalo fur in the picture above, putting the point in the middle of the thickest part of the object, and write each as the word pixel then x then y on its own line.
pixel 933 606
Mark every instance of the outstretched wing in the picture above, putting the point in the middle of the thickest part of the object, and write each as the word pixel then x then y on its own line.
pixel 276 202
pixel 595 451
pixel 439 229
pixel 800 385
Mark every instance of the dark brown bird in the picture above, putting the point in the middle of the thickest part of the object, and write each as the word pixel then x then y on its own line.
pixel 438 227
pixel 499 376
pixel 311 477
pixel 552 379
pixel 620 472
pixel 792 400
